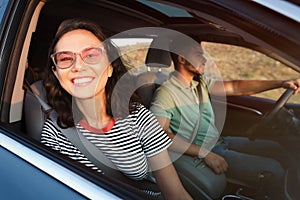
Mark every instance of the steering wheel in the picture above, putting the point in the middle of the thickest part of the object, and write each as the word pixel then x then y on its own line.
pixel 279 104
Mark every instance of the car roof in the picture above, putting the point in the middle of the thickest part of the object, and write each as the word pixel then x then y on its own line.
pixel 243 23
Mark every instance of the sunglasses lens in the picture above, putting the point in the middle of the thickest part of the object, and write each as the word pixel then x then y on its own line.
pixel 92 55
pixel 64 59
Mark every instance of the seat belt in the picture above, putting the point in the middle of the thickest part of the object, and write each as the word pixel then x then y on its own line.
pixel 46 108
pixel 196 127
pixel 88 149
pixel 94 154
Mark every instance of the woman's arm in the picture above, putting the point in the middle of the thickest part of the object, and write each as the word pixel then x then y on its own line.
pixel 166 177
pixel 49 135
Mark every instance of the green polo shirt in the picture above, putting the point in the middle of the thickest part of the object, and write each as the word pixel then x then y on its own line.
pixel 180 104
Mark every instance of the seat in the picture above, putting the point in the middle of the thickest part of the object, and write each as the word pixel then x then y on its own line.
pixel 34 115
pixel 147 82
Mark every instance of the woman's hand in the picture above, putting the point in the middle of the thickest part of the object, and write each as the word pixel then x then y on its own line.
pixel 167 178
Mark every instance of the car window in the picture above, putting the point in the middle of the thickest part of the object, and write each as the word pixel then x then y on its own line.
pixel 235 62
pixel 133 50
pixel 3 6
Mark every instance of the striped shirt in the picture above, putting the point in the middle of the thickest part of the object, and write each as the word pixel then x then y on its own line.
pixel 128 144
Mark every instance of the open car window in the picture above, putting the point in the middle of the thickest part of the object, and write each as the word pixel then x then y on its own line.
pixel 133 50
pixel 236 62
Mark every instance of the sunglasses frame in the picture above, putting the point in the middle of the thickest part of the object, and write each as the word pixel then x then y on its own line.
pixel 52 56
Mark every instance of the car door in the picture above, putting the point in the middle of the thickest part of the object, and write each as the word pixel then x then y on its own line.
pixel 26 170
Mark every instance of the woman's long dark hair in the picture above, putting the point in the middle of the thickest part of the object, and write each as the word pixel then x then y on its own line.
pixel 61 100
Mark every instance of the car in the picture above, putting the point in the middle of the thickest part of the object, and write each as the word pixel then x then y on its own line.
pixel 256 39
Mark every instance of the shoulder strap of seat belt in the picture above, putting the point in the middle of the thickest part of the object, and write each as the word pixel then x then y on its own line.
pixel 88 149
pixel 196 127
pixel 46 108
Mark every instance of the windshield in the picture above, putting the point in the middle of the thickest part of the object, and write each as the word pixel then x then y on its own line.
pixel 284 7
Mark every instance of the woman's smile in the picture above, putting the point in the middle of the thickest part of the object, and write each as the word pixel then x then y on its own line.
pixel 82 81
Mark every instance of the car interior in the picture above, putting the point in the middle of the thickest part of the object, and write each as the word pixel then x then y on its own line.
pixel 24 117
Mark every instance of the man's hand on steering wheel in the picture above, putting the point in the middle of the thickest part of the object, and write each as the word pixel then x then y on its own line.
pixel 292 84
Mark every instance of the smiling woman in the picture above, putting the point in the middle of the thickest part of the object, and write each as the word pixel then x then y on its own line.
pixel 128 141
pixel 73 73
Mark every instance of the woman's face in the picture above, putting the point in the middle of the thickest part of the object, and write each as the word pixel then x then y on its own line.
pixel 82 80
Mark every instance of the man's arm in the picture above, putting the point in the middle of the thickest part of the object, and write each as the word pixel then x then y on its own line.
pixel 214 161
pixel 249 87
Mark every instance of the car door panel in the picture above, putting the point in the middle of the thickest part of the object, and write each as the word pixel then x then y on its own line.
pixel 243 112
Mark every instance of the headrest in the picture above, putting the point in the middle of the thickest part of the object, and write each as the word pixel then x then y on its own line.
pixel 158 56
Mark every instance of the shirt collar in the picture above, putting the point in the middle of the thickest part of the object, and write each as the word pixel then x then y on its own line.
pixel 174 80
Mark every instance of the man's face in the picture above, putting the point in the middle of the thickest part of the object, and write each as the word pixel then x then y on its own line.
pixel 195 56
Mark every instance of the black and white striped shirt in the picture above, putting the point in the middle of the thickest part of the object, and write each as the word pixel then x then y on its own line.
pixel 128 144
